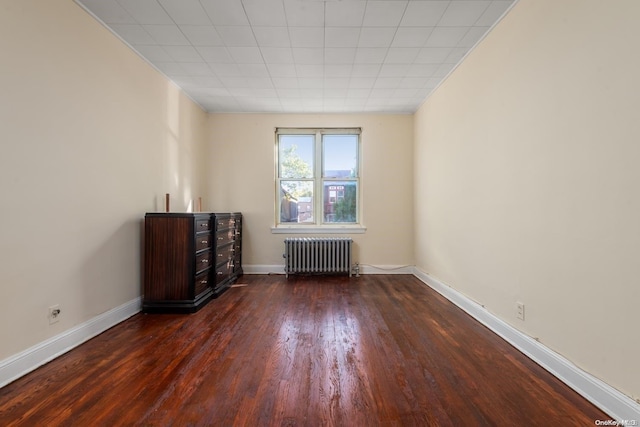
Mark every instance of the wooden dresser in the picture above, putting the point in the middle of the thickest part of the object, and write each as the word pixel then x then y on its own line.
pixel 189 259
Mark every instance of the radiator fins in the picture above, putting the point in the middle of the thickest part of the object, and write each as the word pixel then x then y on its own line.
pixel 315 255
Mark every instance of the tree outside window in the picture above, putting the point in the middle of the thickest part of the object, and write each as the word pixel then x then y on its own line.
pixel 318 176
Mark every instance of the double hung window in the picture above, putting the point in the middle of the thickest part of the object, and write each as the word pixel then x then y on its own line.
pixel 318 177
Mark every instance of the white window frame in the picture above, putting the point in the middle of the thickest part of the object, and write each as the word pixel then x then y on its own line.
pixel 318 226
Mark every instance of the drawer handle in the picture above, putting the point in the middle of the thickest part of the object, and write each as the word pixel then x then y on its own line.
pixel 204 224
pixel 220 238
pixel 204 242
pixel 205 261
pixel 219 255
pixel 220 273
pixel 204 282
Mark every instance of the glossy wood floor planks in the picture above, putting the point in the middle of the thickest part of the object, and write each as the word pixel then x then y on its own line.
pixel 305 351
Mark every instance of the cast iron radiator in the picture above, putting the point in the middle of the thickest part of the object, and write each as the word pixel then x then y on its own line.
pixel 316 255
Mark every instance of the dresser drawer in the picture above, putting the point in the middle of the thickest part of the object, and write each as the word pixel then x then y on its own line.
pixel 225 222
pixel 224 253
pixel 224 237
pixel 203 261
pixel 203 224
pixel 223 272
pixel 201 283
pixel 203 241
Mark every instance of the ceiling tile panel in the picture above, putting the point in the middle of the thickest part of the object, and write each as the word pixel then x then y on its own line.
pixel 304 14
pixel 308 55
pixel 306 36
pixel 228 12
pixel 169 35
pixel 401 55
pixel 376 36
pixel 311 82
pixel 365 70
pixel 456 55
pixel 245 55
pixel 337 70
pixel 394 70
pixel 446 36
pixel 423 13
pixel 473 35
pixel 302 55
pixel 413 82
pixel 133 34
pixel 254 70
pixel 109 11
pixel 495 10
pixel 344 13
pixel 269 13
pixel 225 70
pixel 463 13
pixel 277 55
pixel 146 11
pixel 237 36
pixel 171 69
pixel 336 82
pixel 202 35
pixel 384 13
pixel 260 82
pixel 432 55
pixel 310 70
pixel 337 55
pixel 411 36
pixel 153 53
pixel 362 82
pixel 285 82
pixel 370 55
pixel 199 69
pixel 184 53
pixel 341 36
pixel 272 36
pixel 186 12
pixel 282 70
pixel 422 70
pixel 443 70
pixel 215 55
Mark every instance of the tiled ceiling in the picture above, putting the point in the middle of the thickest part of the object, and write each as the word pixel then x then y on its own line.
pixel 302 56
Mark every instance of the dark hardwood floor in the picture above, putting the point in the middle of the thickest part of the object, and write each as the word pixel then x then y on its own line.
pixel 308 351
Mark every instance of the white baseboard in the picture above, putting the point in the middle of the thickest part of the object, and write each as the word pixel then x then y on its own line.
pixel 263 269
pixel 385 269
pixel 26 361
pixel 608 399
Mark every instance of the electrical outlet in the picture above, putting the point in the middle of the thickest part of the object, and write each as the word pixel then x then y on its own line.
pixel 54 314
pixel 520 310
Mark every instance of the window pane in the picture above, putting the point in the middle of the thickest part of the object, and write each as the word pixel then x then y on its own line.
pixel 296 201
pixel 295 154
pixel 340 201
pixel 340 156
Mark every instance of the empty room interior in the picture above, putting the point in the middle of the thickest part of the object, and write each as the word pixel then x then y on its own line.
pixel 491 181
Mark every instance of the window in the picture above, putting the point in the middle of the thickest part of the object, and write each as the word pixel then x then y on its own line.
pixel 318 177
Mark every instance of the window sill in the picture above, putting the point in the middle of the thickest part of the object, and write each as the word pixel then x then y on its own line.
pixel 326 229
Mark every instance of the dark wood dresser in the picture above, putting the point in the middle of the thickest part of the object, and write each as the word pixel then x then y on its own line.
pixel 189 259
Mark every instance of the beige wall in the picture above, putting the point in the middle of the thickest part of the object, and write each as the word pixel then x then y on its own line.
pixel 242 178
pixel 526 180
pixel 91 138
